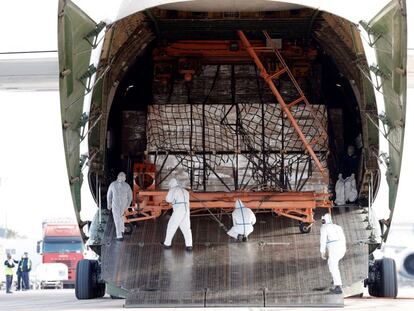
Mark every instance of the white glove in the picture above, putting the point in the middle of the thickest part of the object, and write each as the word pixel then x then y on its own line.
pixel 109 207
pixel 323 255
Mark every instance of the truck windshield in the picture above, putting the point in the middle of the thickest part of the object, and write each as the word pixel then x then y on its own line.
pixel 65 247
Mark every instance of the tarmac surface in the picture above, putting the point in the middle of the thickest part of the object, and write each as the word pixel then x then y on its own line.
pixel 65 300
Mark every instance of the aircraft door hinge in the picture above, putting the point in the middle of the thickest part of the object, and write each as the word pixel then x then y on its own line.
pixel 82 160
pixel 86 77
pixel 380 76
pixel 92 36
pixel 82 123
pixel 384 159
pixel 386 123
pixel 372 34
pixel 86 159
pixel 389 124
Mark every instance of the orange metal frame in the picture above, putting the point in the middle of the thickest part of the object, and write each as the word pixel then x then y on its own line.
pixel 294 205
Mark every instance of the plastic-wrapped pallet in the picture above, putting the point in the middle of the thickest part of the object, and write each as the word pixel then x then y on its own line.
pixel 248 145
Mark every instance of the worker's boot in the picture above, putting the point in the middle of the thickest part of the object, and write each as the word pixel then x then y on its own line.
pixel 336 290
pixel 240 237
pixel 244 238
pixel 165 246
pixel 189 248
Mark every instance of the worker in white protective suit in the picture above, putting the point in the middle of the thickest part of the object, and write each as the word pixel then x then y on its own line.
pixel 340 191
pixel 345 188
pixel 180 218
pixel 243 221
pixel 350 190
pixel 333 247
pixel 119 198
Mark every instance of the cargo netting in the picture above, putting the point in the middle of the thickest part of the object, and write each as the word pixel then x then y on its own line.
pixel 224 131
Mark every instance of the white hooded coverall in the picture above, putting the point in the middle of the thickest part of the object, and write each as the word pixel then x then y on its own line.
pixel 243 220
pixel 119 198
pixel 340 191
pixel 350 190
pixel 180 218
pixel 333 239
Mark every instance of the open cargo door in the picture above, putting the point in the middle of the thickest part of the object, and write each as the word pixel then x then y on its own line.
pixel 76 33
pixel 388 36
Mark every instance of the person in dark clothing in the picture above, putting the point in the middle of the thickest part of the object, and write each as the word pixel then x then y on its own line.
pixel 9 264
pixel 19 285
pixel 349 163
pixel 26 267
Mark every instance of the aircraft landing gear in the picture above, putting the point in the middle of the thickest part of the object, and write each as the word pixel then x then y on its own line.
pixel 87 284
pixel 382 278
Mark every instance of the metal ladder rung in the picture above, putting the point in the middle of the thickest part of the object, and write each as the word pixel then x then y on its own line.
pixel 277 74
pixel 261 48
pixel 296 101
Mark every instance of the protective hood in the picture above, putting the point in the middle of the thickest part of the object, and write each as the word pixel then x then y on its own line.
pixel 239 204
pixel 328 218
pixel 121 177
pixel 173 183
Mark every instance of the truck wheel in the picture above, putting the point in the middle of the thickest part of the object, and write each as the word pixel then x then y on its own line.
pixel 305 227
pixel 84 287
pixel 385 284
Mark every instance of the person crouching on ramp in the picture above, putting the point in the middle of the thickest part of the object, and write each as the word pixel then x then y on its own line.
pixel 243 221
pixel 180 218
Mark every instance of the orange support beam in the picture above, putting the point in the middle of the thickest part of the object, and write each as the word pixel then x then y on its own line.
pixel 286 109
pixel 294 205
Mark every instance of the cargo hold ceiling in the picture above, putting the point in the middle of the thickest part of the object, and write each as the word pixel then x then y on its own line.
pixel 180 25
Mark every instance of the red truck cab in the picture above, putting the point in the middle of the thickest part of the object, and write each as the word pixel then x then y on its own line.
pixel 62 243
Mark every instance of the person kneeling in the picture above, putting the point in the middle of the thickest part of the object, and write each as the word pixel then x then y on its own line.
pixel 243 221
